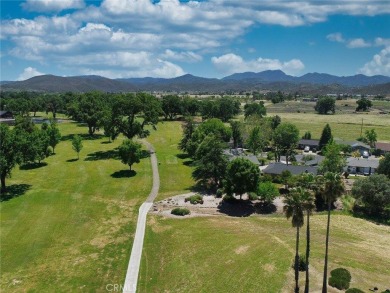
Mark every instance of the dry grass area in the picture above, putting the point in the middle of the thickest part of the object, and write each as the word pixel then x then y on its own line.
pixel 254 254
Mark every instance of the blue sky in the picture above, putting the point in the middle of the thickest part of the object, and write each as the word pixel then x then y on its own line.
pixel 215 38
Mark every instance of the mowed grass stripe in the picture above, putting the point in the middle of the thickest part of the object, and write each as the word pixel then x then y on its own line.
pixel 255 254
pixel 73 229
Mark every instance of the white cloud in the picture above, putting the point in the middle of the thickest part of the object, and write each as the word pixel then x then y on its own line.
pixel 380 64
pixel 358 43
pixel 232 63
pixel 188 56
pixel 335 37
pixel 28 73
pixel 52 5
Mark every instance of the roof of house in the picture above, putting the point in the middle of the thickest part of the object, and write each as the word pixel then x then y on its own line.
pixel 239 153
pixel 278 168
pixel 312 142
pixel 4 112
pixel 301 159
pixel 354 143
pixel 362 163
pixel 384 146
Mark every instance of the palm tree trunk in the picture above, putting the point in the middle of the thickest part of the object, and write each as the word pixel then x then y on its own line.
pixel 325 283
pixel 297 263
pixel 307 253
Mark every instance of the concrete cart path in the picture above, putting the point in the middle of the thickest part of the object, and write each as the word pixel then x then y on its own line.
pixel 130 285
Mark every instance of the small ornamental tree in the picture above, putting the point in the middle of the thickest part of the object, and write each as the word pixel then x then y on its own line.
pixel 130 152
pixel 326 136
pixel 77 145
pixel 241 176
pixel 53 133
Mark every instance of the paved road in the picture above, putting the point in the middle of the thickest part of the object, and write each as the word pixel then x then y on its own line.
pixel 130 285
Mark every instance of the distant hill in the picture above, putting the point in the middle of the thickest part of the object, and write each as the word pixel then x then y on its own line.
pixel 52 83
pixel 273 80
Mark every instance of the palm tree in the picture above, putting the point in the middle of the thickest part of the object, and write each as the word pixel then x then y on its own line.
pixel 333 188
pixel 293 209
pixel 307 181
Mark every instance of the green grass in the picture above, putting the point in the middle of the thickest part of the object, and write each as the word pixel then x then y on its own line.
pixel 255 254
pixel 174 169
pixel 72 230
pixel 344 126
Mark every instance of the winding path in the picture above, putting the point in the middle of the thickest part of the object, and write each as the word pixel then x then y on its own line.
pixel 130 285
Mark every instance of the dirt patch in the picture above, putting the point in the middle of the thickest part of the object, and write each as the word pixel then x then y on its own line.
pixel 269 267
pixel 213 206
pixel 241 249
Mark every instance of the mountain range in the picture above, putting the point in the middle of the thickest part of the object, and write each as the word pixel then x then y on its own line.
pixel 266 80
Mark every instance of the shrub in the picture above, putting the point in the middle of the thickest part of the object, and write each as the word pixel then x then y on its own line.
pixel 252 196
pixel 180 211
pixel 270 156
pixel 219 193
pixel 267 191
pixel 194 199
pixel 340 278
pixel 354 290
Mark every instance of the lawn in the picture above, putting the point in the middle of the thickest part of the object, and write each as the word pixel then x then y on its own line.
pixel 174 169
pixel 254 254
pixel 70 226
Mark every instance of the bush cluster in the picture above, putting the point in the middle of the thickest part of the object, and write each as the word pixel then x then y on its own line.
pixel 354 290
pixel 340 278
pixel 180 211
pixel 194 199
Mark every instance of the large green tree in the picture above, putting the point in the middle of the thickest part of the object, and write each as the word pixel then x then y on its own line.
pixel 53 133
pixel 285 140
pixel 210 162
pixel 363 104
pixel 256 141
pixel 325 105
pixel 334 161
pixel 373 194
pixel 333 188
pixel 9 153
pixel 294 209
pixel 255 109
pixel 130 152
pixel 384 166
pixel 241 176
pixel 171 106
pixel 236 127
pixel 89 108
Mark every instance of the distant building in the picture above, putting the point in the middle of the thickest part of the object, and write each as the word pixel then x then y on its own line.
pixel 361 166
pixel 6 115
pixel 313 144
pixel 383 147
pixel 277 169
pixel 239 153
pixel 307 160
pixel 356 146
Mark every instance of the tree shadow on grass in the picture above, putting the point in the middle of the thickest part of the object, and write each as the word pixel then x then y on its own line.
pixel 124 174
pixel 182 156
pixel 84 136
pixel 264 208
pixel 106 142
pixel 237 208
pixel 32 166
pixel 72 160
pixel 102 155
pixel 13 191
